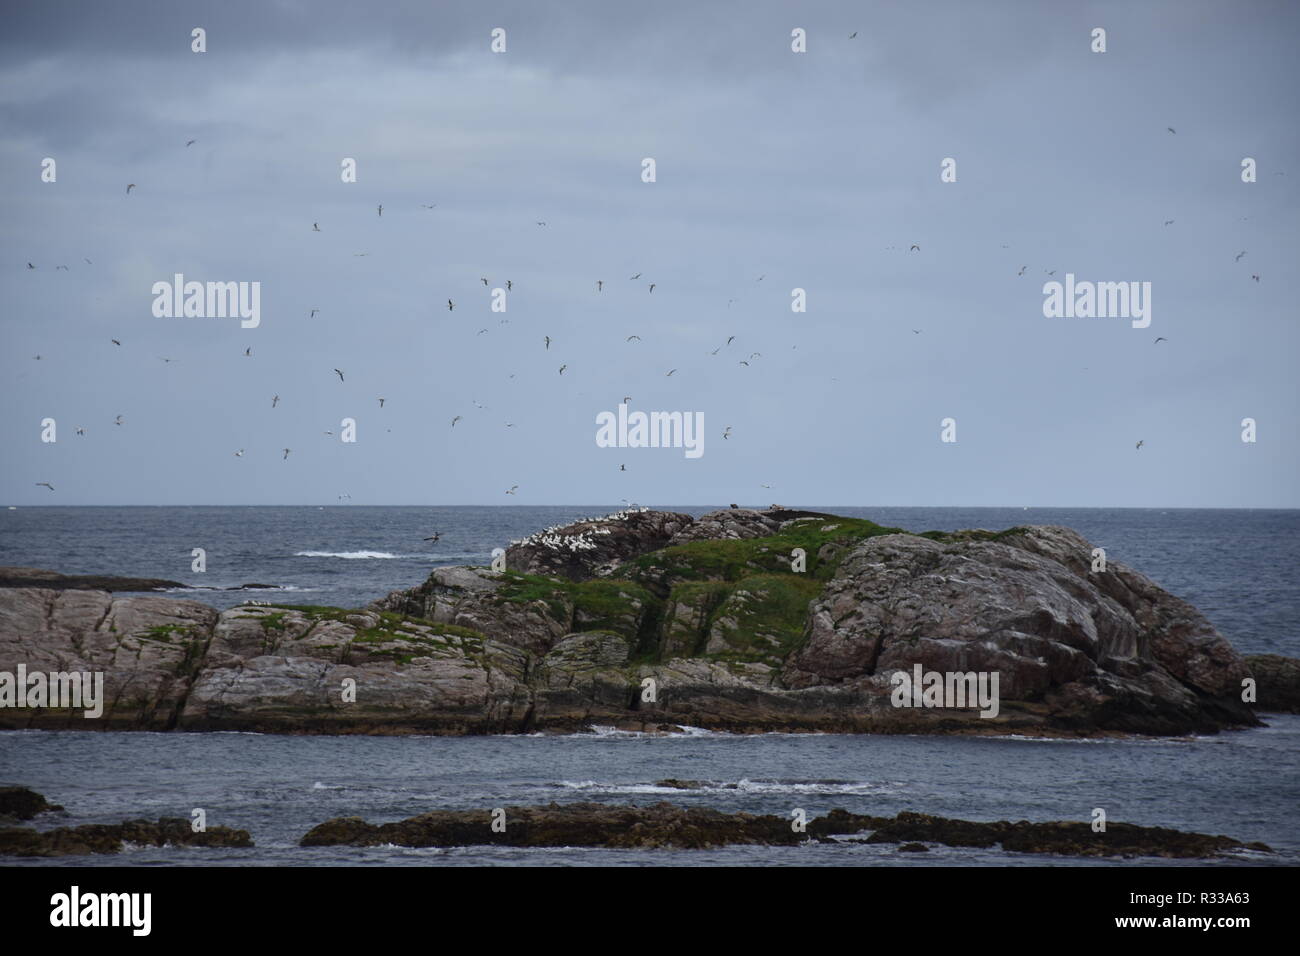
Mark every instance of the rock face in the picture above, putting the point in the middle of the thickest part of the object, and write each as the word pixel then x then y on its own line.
pixel 110 838
pixel 19 803
pixel 1278 680
pixel 773 620
pixel 666 825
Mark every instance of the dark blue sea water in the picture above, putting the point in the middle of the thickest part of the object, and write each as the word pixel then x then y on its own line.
pixel 1237 566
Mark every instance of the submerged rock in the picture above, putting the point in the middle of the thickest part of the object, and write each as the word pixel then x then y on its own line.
pixel 19 803
pixel 667 825
pixel 1278 682
pixel 110 838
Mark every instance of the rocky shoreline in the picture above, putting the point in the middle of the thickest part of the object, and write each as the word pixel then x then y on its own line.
pixel 740 621
pixel 660 825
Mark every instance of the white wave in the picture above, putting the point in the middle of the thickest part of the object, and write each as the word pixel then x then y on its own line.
pixel 815 787
pixel 324 786
pixel 682 732
pixel 351 555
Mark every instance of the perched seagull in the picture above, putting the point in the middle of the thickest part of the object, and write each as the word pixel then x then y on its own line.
pixel 451 306
pixel 275 401
pixel 631 337
pixel 119 420
pixel 1237 257
pixel 339 373
pixel 1159 340
pixel 381 403
pixel 315 227
pixel 44 484
pixel 512 489
pixel 1140 444
pixel 129 187
pixel 191 143
pixel 286 455
pixel 455 420
pixel 600 284
pixel 115 341
pixel 562 368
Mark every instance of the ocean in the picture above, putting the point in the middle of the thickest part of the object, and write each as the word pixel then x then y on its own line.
pixel 1238 567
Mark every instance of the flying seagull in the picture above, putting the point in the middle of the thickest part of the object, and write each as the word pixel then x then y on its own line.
pixel 727 433
pixel 916 331
pixel 286 455
pixel 115 341
pixel 1159 340
pixel 600 284
pixel 562 368
pixel 622 467
pixel 249 352
pixel 44 484
pixel 512 489
pixel 631 337
pixel 312 314
pixel 1237 257
pixel 670 372
pixel 915 248
pixel 315 227
pixel 80 430
pixel 1169 222
pixel 381 403
pixel 1140 444
pixel 637 276
pixel 451 306
pixel 730 339
pixel 1172 130
pixel 853 34
pixel 240 453
pixel 119 420
pixel 30 266
pixel 455 420
pixel 548 341
pixel 484 281
pixel 191 143
pixel 434 537
pixel 339 373
pixel 652 287
pixel 509 285
pixel 275 401
pixel 427 206
pixel 129 187
pixel 541 224
pixel 1255 277
pixel 381 209
pixel 1022 270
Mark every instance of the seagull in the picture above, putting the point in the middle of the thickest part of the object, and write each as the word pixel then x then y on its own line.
pixel 1052 273
pixel 381 403
pixel 480 331
pixel 1159 340
pixel 240 453
pixel 427 206
pixel 248 352
pixel 915 248
pixel 631 337
pixel 916 331
pixel 275 401
pixel 44 484
pixel 1169 222
pixel 339 373
pixel 541 224
pixel 727 433
pixel 622 467
pixel 562 368
pixel 286 455
pixel 484 281
pixel 37 357
pixel 1255 277
pixel 1172 130
pixel 451 306
pixel 360 254
pixel 119 420
pixel 853 34
pixel 670 372
pixel 30 266
pixel 509 285
pixel 434 537
pixel 730 339
pixel 600 284
pixel 57 268
pixel 548 340
pixel 88 262
pixel 1237 257
pixel 715 351
pixel 754 355
pixel 743 362
pixel 381 209
pixel 455 420
pixel 165 359
pixel 190 143
pixel 80 430
pixel 512 489
pixel 1022 270
pixel 652 287
pixel 315 227
pixel 129 187
pixel 1140 444
pixel 115 341
pixel 312 314
pixel 637 276
pixel 328 434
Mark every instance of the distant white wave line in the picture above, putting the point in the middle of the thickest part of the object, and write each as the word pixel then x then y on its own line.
pixel 362 555
pixel 269 587
pixel 607 730
pixel 741 786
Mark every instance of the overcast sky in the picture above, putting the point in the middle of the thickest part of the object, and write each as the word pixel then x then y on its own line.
pixel 815 171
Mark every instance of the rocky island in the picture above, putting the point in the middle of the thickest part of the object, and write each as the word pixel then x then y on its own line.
pixel 741 620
